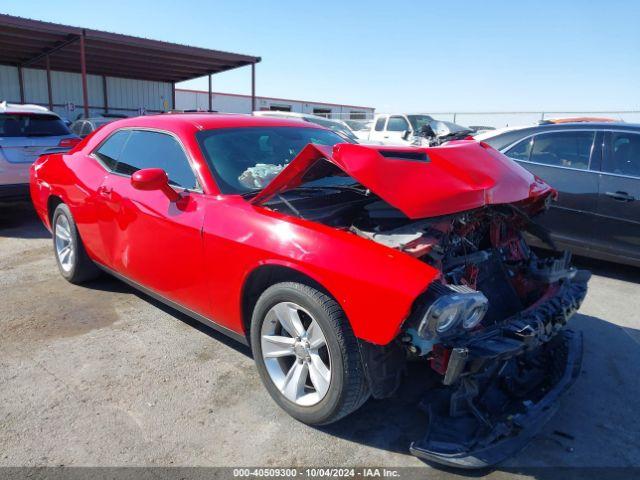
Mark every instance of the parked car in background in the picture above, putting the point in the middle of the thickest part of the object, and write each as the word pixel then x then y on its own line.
pixel 360 128
pixel 337 262
pixel 595 166
pixel 414 129
pixel 26 131
pixel 84 126
pixel 337 126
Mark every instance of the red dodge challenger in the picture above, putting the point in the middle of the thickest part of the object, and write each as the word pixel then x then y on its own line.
pixel 337 263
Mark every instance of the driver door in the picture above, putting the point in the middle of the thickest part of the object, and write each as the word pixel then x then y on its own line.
pixel 151 240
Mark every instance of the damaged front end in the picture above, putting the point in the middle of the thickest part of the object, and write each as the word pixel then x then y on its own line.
pixel 491 328
pixel 492 331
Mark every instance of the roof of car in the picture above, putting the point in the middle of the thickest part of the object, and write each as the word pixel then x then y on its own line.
pixel 567 125
pixel 23 108
pixel 501 138
pixel 206 121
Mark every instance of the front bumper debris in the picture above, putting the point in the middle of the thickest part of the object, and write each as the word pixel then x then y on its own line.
pixel 501 387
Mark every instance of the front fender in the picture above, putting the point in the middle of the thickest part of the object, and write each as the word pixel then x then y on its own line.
pixel 375 285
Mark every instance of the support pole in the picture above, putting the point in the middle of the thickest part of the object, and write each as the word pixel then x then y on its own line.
pixel 105 95
pixel 253 87
pixel 210 99
pixel 173 95
pixel 83 69
pixel 21 84
pixel 49 92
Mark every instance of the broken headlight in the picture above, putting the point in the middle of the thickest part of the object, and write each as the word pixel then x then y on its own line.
pixel 452 310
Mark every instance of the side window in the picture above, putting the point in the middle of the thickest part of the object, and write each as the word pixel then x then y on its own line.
pixel 624 154
pixel 110 150
pixel 520 151
pixel 563 149
pixel 156 150
pixel 380 124
pixel 397 124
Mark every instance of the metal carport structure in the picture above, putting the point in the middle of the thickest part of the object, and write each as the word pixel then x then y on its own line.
pixel 50 46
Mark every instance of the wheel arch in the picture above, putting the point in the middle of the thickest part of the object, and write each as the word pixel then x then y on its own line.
pixel 266 275
pixel 52 203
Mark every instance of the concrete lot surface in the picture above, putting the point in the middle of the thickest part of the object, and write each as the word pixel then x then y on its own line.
pixel 101 375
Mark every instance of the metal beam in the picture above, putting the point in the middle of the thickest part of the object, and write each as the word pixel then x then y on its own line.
pixel 21 84
pixel 105 95
pixel 49 92
pixel 48 51
pixel 83 71
pixel 253 87
pixel 130 64
pixel 210 99
pixel 126 70
pixel 112 52
pixel 173 95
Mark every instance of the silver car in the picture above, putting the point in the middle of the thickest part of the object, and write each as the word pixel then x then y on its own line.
pixel 27 131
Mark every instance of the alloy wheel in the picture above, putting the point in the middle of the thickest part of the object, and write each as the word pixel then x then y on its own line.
pixel 296 354
pixel 65 250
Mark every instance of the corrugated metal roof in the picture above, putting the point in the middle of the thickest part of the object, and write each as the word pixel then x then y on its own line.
pixel 26 42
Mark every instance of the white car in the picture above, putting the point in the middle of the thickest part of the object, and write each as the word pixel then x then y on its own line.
pixel 337 126
pixel 27 131
pixel 397 129
pixel 414 129
pixel 360 129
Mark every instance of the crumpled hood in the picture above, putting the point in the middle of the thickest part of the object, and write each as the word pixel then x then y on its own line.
pixel 420 182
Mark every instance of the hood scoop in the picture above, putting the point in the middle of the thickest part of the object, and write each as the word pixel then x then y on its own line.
pixel 420 182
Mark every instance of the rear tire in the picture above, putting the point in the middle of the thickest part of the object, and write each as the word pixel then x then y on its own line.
pixel 322 354
pixel 72 259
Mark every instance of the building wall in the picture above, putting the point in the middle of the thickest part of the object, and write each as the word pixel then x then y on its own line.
pixel 126 96
pixel 228 103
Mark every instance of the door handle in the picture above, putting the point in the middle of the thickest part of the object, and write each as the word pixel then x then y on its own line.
pixel 105 191
pixel 621 196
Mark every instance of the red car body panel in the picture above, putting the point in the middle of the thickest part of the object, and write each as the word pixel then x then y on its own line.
pixel 199 252
pixel 455 177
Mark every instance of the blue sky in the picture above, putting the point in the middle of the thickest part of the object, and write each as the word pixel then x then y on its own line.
pixel 398 55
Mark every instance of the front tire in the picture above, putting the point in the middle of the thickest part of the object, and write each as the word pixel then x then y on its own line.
pixel 72 259
pixel 306 354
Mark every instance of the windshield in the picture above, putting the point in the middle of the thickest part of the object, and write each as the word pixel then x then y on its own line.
pixel 419 121
pixel 335 126
pixel 31 125
pixel 247 159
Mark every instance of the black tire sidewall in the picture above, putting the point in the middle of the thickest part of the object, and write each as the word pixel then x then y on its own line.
pixel 323 411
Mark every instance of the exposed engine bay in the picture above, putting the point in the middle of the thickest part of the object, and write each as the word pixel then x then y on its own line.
pixel 489 330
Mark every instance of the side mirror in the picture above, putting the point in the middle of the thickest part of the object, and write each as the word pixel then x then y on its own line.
pixel 406 134
pixel 154 179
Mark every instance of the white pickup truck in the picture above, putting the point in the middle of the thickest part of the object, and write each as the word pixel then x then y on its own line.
pixel 413 129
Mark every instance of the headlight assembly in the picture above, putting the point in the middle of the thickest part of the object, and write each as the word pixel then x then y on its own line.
pixel 449 311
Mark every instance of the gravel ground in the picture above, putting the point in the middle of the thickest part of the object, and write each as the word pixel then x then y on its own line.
pixel 102 375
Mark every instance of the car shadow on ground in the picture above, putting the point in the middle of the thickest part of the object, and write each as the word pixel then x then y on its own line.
pixel 626 273
pixel 108 283
pixel 19 220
